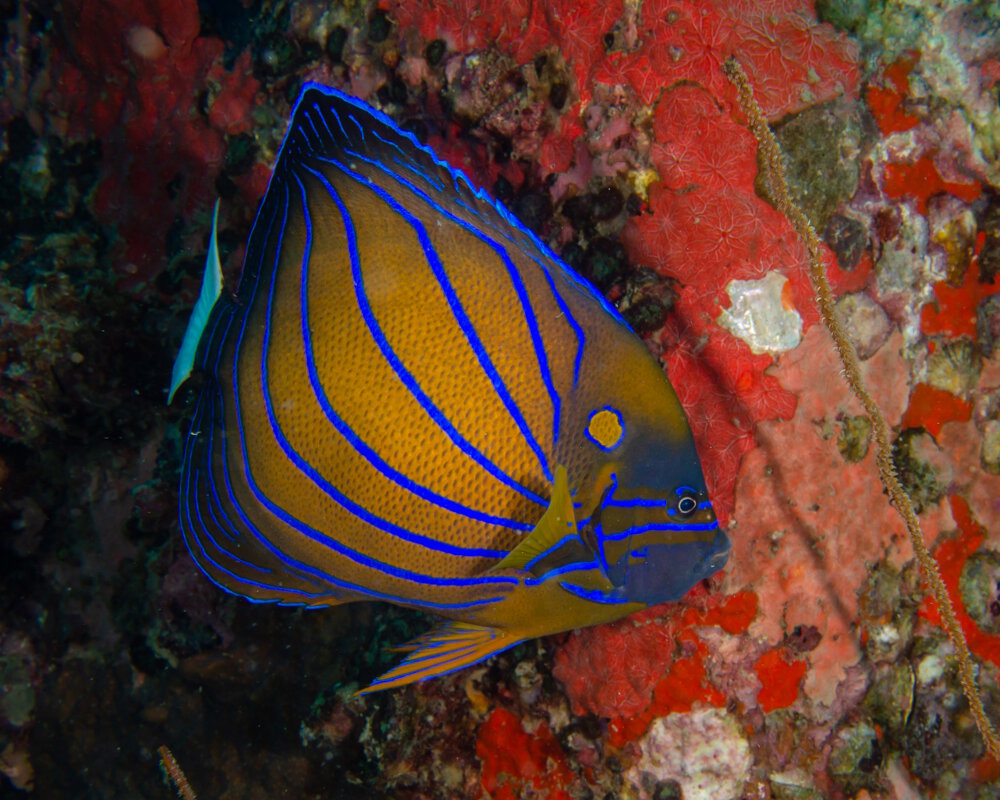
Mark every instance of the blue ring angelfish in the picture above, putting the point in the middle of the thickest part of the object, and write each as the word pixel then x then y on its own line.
pixel 402 404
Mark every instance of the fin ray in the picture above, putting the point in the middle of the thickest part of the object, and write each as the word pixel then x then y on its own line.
pixel 449 647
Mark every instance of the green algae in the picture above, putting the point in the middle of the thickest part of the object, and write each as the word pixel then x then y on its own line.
pixel 854 438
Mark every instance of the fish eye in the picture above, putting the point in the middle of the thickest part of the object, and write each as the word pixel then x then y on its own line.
pixel 606 428
pixel 687 504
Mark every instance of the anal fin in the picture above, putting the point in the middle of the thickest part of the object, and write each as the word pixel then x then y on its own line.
pixel 444 649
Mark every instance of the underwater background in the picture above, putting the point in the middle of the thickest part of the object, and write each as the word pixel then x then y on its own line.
pixel 813 666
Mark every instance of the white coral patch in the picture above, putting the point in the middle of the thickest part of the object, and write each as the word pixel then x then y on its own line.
pixel 704 751
pixel 759 316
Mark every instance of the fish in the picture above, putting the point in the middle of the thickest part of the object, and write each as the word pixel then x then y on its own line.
pixel 411 399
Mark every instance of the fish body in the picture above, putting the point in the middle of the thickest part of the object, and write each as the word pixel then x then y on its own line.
pixel 411 399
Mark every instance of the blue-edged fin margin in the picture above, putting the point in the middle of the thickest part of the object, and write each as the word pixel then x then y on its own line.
pixel 211 289
pixel 444 649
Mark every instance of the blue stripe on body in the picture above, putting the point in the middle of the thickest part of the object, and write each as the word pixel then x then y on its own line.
pixel 407 378
pixel 345 585
pixel 192 474
pixel 369 454
pixel 315 131
pixel 638 502
pixel 515 277
pixel 461 184
pixel 581 337
pixel 552 548
pixel 197 427
pixel 594 595
pixel 296 568
pixel 405 163
pixel 408 164
pixel 340 125
pixel 638 529
pixel 458 312
pixel 555 572
pixel 301 464
pixel 189 475
pixel 214 498
pixel 211 342
pixel 440 419
pixel 601 555
pixel 214 502
pixel 301 527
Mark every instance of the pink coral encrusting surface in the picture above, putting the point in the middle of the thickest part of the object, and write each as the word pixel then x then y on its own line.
pixel 811 524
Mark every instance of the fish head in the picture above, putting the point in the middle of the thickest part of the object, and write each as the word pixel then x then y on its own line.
pixel 650 518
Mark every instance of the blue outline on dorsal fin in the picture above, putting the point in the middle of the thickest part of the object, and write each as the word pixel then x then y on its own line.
pixel 393 144
pixel 211 289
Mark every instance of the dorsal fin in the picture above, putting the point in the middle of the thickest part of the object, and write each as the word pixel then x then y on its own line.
pixel 326 122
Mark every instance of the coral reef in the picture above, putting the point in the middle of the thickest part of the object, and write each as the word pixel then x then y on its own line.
pixel 812 667
pixel 700 754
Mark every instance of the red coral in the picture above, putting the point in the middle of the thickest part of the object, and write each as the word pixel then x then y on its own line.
pixel 683 687
pixel 134 77
pixel 930 408
pixel 794 61
pixel 683 42
pixel 954 313
pixel 699 146
pixel 612 670
pixel 990 70
pixel 951 556
pixel 887 102
pixel 649 664
pixel 780 679
pixel 517 763
pixel 922 181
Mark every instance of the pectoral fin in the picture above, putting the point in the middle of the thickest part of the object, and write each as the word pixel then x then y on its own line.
pixel 558 522
pixel 444 649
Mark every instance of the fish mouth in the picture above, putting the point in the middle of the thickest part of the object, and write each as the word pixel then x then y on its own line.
pixel 720 559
